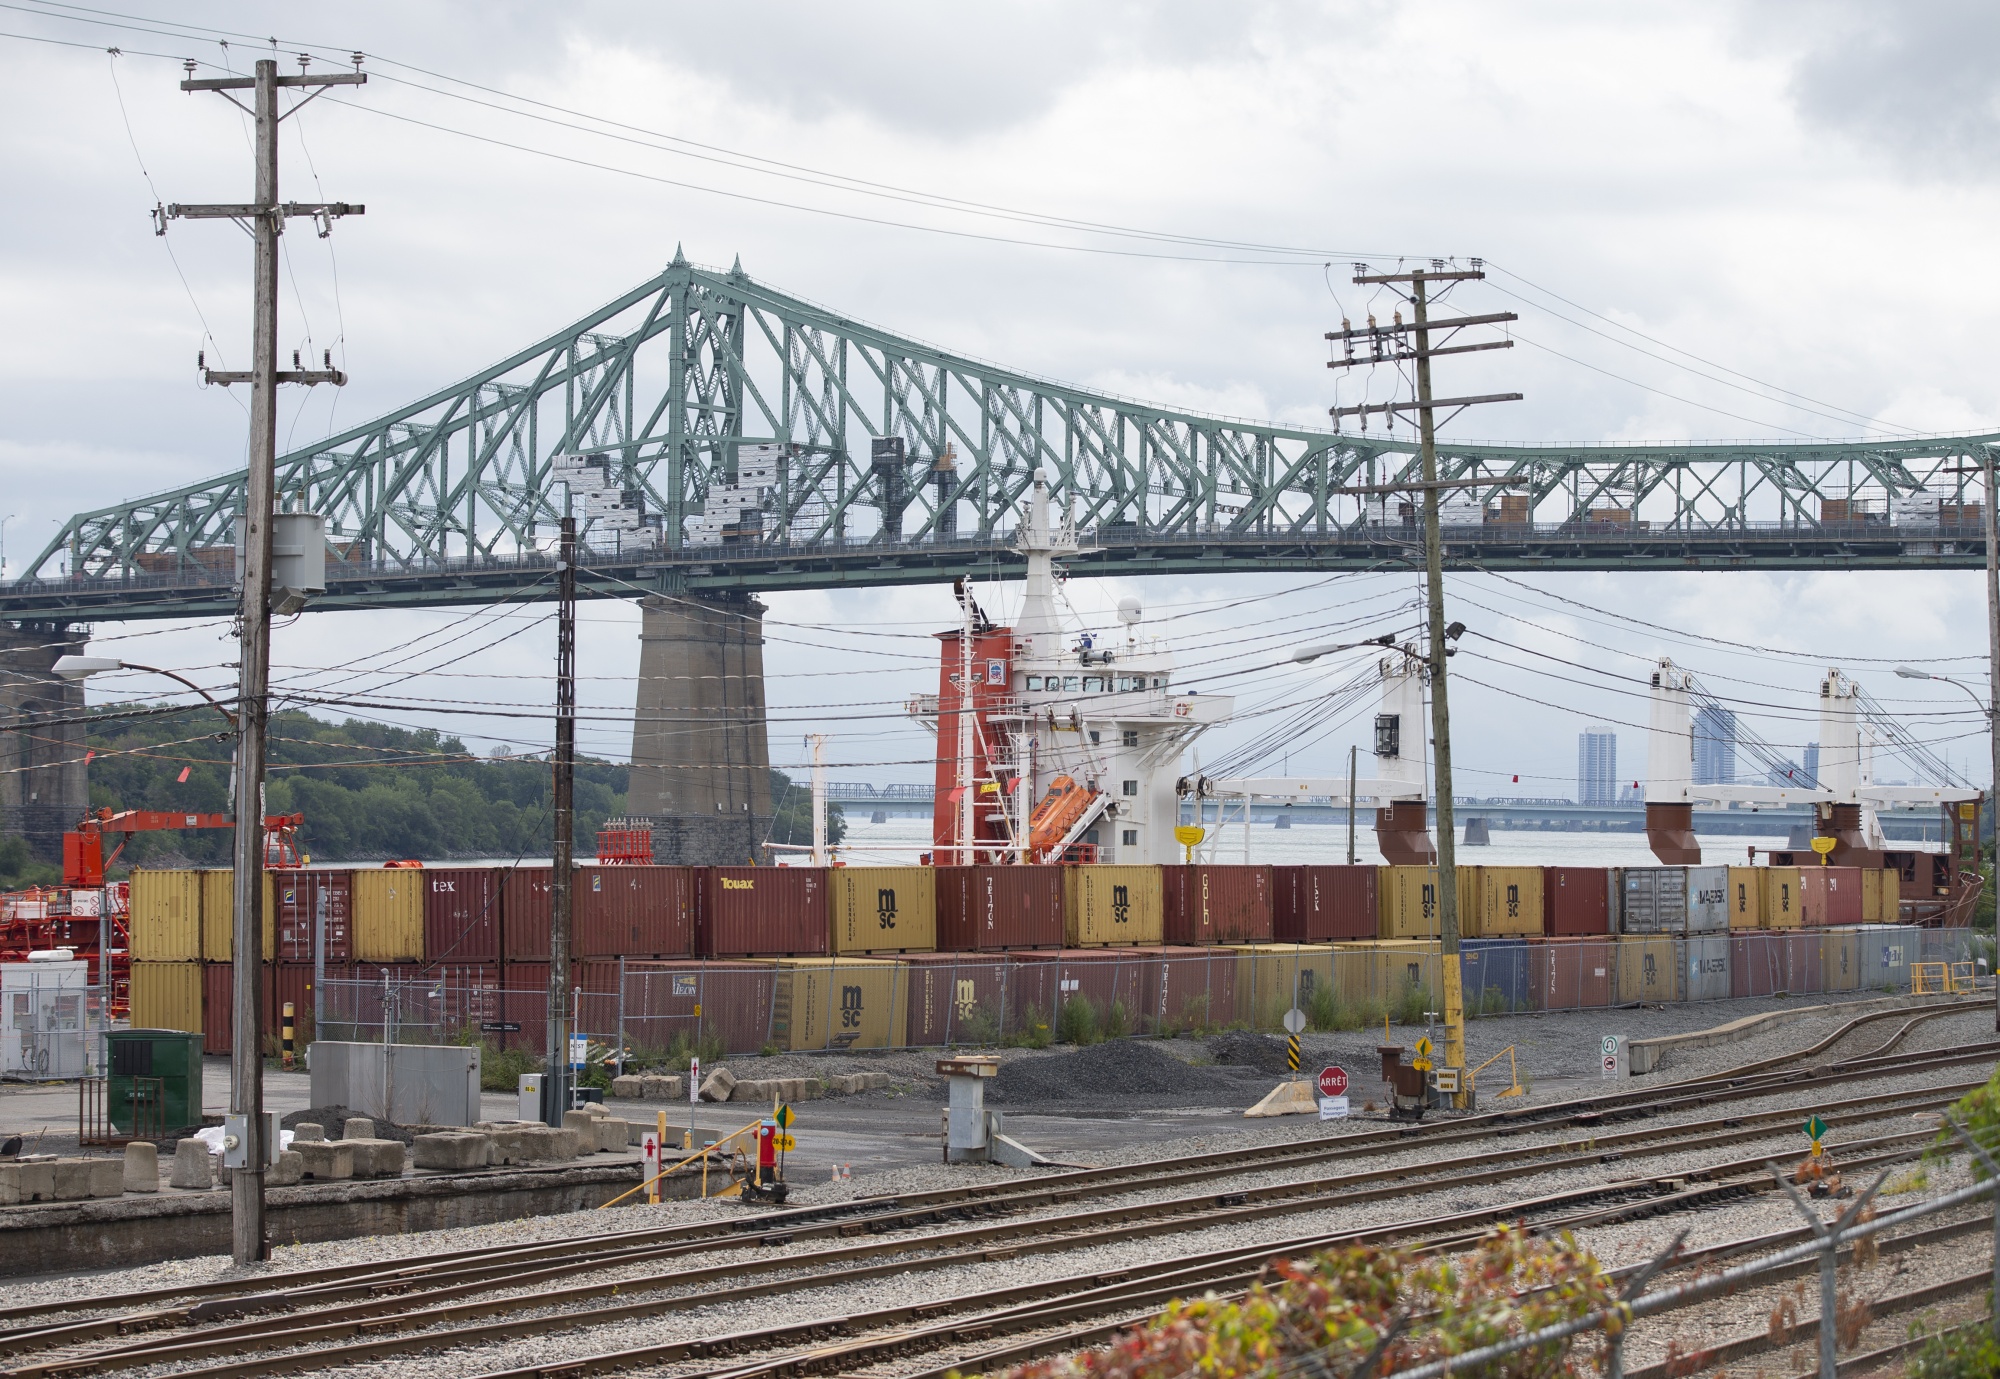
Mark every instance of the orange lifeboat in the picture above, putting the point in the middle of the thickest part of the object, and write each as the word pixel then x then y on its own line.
pixel 1057 814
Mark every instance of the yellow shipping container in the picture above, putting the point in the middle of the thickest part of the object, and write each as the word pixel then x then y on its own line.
pixel 1781 898
pixel 166 917
pixel 1840 959
pixel 883 909
pixel 218 915
pixel 1385 971
pixel 386 915
pixel 838 1003
pixel 1406 898
pixel 1510 903
pixel 166 995
pixel 1649 969
pixel 1272 978
pixel 1881 896
pixel 1106 906
pixel 1746 897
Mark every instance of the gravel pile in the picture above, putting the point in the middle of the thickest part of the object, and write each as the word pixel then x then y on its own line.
pixel 1264 1052
pixel 334 1120
pixel 1118 1068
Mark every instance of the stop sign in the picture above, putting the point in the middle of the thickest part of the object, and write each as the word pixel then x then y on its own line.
pixel 1333 1081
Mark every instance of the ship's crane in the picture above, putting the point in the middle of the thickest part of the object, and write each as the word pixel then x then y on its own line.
pixel 83 846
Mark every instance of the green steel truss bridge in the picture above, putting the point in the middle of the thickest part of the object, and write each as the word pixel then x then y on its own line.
pixel 751 440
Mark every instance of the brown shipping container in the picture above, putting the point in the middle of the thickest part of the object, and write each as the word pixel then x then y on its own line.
pixel 462 914
pixel 525 906
pixel 295 897
pixel 694 998
pixel 1102 976
pixel 281 982
pixel 744 912
pixel 635 912
pixel 1572 972
pixel 1202 904
pixel 1829 896
pixel 1576 901
pixel 1109 905
pixel 985 908
pixel 971 998
pixel 1773 962
pixel 1196 990
pixel 1323 904
pixel 882 909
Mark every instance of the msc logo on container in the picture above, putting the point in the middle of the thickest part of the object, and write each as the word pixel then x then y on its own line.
pixel 1514 900
pixel 1121 904
pixel 1430 900
pixel 965 998
pixel 885 907
pixel 850 1007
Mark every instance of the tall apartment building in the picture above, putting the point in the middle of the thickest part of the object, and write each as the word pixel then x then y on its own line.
pixel 1597 766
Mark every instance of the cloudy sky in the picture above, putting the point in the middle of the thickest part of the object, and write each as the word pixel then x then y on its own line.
pixel 1799 195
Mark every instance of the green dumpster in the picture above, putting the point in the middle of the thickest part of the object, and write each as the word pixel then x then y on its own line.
pixel 155 1081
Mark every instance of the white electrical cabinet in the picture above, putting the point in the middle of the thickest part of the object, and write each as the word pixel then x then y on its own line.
pixel 44 1014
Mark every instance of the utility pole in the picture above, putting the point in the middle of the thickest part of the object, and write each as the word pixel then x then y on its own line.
pixel 556 1085
pixel 1990 465
pixel 1392 344
pixel 265 218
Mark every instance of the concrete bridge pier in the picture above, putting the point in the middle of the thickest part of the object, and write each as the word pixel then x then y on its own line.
pixel 43 786
pixel 701 756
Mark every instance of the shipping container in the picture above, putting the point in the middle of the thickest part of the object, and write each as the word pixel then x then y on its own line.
pixel 462 914
pixel 296 897
pixel 970 998
pixel 1196 991
pixel 1840 957
pixel 1746 897
pixel 167 995
pixel 1494 974
pixel 1409 901
pixel 1707 974
pixel 634 912
pixel 1830 896
pixel 761 912
pixel 1272 978
pixel 526 902
pixel 1758 964
pixel 279 983
pixel 165 918
pixel 691 1000
pixel 1107 906
pixel 1507 903
pixel 388 914
pixel 882 909
pixel 218 914
pixel 1390 973
pixel 1578 901
pixel 1324 904
pixel 1781 898
pixel 1573 972
pixel 1116 982
pixel 1202 904
pixel 1649 969
pixel 993 907
pixel 1674 900
pixel 1887 950
pixel 1881 895
pixel 839 1003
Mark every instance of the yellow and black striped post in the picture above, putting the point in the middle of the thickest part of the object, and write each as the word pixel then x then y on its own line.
pixel 1292 1052
pixel 288 1033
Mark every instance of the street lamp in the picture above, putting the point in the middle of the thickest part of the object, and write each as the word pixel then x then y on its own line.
pixel 83 667
pixel 1307 654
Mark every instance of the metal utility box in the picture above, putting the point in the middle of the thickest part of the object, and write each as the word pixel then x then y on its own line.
pixel 43 1006
pixel 409 1084
pixel 142 1060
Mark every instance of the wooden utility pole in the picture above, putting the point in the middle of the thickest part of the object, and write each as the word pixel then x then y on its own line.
pixel 1396 343
pixel 1990 464
pixel 265 218
pixel 556 1085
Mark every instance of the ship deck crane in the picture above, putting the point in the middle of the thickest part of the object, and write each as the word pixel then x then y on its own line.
pixel 83 846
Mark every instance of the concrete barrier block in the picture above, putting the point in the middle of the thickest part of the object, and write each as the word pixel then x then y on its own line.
pixel 665 1088
pixel 72 1180
pixel 290 1167
pixel 141 1168
pixel 451 1153
pixel 541 1144
pixel 306 1130
pixel 718 1085
pixel 27 1182
pixel 194 1168
pixel 612 1136
pixel 629 1087
pixel 322 1161
pixel 849 1084
pixel 582 1122
pixel 358 1128
pixel 568 1144
pixel 376 1158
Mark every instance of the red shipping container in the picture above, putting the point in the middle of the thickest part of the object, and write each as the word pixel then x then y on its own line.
pixel 967 998
pixel 525 906
pixel 985 908
pixel 278 983
pixel 296 898
pixel 762 912
pixel 1574 973
pixel 1324 904
pixel 1775 961
pixel 1196 989
pixel 462 914
pixel 634 912
pixel 1576 901
pixel 1215 904
pixel 729 1000
pixel 1829 895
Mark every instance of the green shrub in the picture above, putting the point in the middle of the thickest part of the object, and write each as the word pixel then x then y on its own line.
pixel 1968 1352
pixel 1033 1031
pixel 1117 1021
pixel 500 1070
pixel 1411 1003
pixel 1077 1022
pixel 978 1027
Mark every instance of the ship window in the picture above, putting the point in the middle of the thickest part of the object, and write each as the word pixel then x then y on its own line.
pixel 1159 682
pixel 1092 684
pixel 1093 737
pixel 1130 838
pixel 1124 683
pixel 1131 787
pixel 1069 683
pixel 1034 682
pixel 1130 738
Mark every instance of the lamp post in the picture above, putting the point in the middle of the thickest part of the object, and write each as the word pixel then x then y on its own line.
pixel 1993 735
pixel 83 667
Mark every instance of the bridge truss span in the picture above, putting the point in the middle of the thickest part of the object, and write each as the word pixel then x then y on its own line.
pixel 753 440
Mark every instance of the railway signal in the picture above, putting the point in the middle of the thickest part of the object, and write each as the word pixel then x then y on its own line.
pixel 1815 1129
